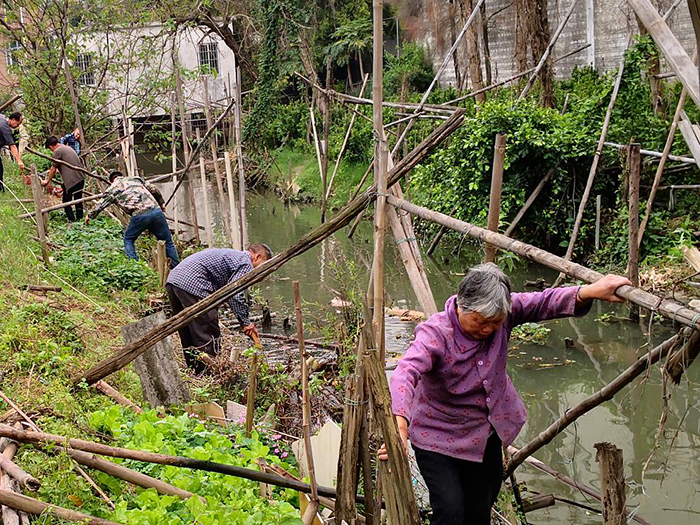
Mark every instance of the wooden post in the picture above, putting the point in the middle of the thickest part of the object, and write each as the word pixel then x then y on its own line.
pixel 252 387
pixel 380 177
pixel 239 158
pixel 215 159
pixel 37 191
pixel 173 151
pixel 310 513
pixel 592 171
pixel 612 482
pixel 633 166
pixel 499 157
pixel 205 196
pixel 233 208
pixel 163 263
pixel 597 221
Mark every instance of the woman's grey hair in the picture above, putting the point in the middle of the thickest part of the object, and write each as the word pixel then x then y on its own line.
pixel 485 290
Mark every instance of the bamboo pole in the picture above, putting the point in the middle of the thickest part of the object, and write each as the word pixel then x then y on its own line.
pixel 345 140
pixel 325 107
pixel 112 392
pixel 162 459
pixel 637 296
pixel 239 158
pixel 73 98
pixel 530 200
pixel 233 207
pixel 662 164
pixel 594 168
pixel 128 353
pixel 676 57
pixel 215 157
pixel 310 513
pixel 633 167
pixel 9 515
pixel 61 206
pixel 380 175
pixel 205 196
pixel 317 147
pixel 119 471
pixel 14 99
pixel 252 387
pixel 499 158
pixel 598 205
pixel 395 475
pixel 687 338
pixel 547 51
pixel 26 480
pixel 37 192
pixel 36 507
pixel 657 154
pixel 186 149
pixel 173 151
pixel 612 476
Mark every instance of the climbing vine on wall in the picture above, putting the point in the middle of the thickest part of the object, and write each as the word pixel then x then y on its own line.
pixel 265 90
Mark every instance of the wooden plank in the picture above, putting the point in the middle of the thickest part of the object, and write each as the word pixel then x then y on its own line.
pixel 692 255
pixel 691 139
pixel 676 57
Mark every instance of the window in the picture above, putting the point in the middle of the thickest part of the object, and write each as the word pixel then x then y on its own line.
pixel 11 54
pixel 87 74
pixel 209 57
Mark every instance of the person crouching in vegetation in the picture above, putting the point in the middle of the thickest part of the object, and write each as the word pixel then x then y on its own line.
pixel 144 202
pixel 452 396
pixel 73 180
pixel 200 275
pixel 7 124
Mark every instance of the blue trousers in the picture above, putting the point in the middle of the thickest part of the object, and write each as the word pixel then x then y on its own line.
pixel 154 221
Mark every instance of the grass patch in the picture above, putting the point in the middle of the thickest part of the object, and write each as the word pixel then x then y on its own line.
pixel 305 174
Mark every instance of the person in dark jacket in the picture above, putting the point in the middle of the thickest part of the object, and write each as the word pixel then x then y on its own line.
pixel 7 125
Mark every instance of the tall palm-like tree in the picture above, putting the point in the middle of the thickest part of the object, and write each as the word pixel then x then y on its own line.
pixel 351 39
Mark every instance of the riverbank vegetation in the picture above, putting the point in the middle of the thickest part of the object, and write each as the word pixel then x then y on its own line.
pixel 48 337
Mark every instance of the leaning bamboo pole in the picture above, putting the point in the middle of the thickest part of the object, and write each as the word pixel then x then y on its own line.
pixel 594 167
pixel 36 507
pixel 531 199
pixel 42 438
pixel 499 158
pixel 310 513
pixel 650 153
pixel 239 157
pixel 205 196
pixel 547 51
pixel 670 309
pixel 233 207
pixel 128 353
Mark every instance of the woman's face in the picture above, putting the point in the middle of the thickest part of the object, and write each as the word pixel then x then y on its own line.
pixel 477 326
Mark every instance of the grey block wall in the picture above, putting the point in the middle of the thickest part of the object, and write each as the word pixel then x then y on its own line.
pixel 605 23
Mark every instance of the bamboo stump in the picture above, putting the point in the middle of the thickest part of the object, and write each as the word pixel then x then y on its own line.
pixel 612 483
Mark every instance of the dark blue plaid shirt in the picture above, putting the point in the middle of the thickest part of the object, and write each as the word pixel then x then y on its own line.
pixel 202 273
pixel 70 140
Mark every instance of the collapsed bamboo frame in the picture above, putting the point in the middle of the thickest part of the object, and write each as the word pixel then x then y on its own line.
pixel 130 352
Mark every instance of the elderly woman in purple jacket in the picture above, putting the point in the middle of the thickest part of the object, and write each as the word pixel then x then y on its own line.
pixel 452 396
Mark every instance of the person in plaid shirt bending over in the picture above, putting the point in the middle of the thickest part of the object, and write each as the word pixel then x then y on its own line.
pixel 200 275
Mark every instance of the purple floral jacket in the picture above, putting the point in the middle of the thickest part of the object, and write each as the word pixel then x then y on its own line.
pixel 454 389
